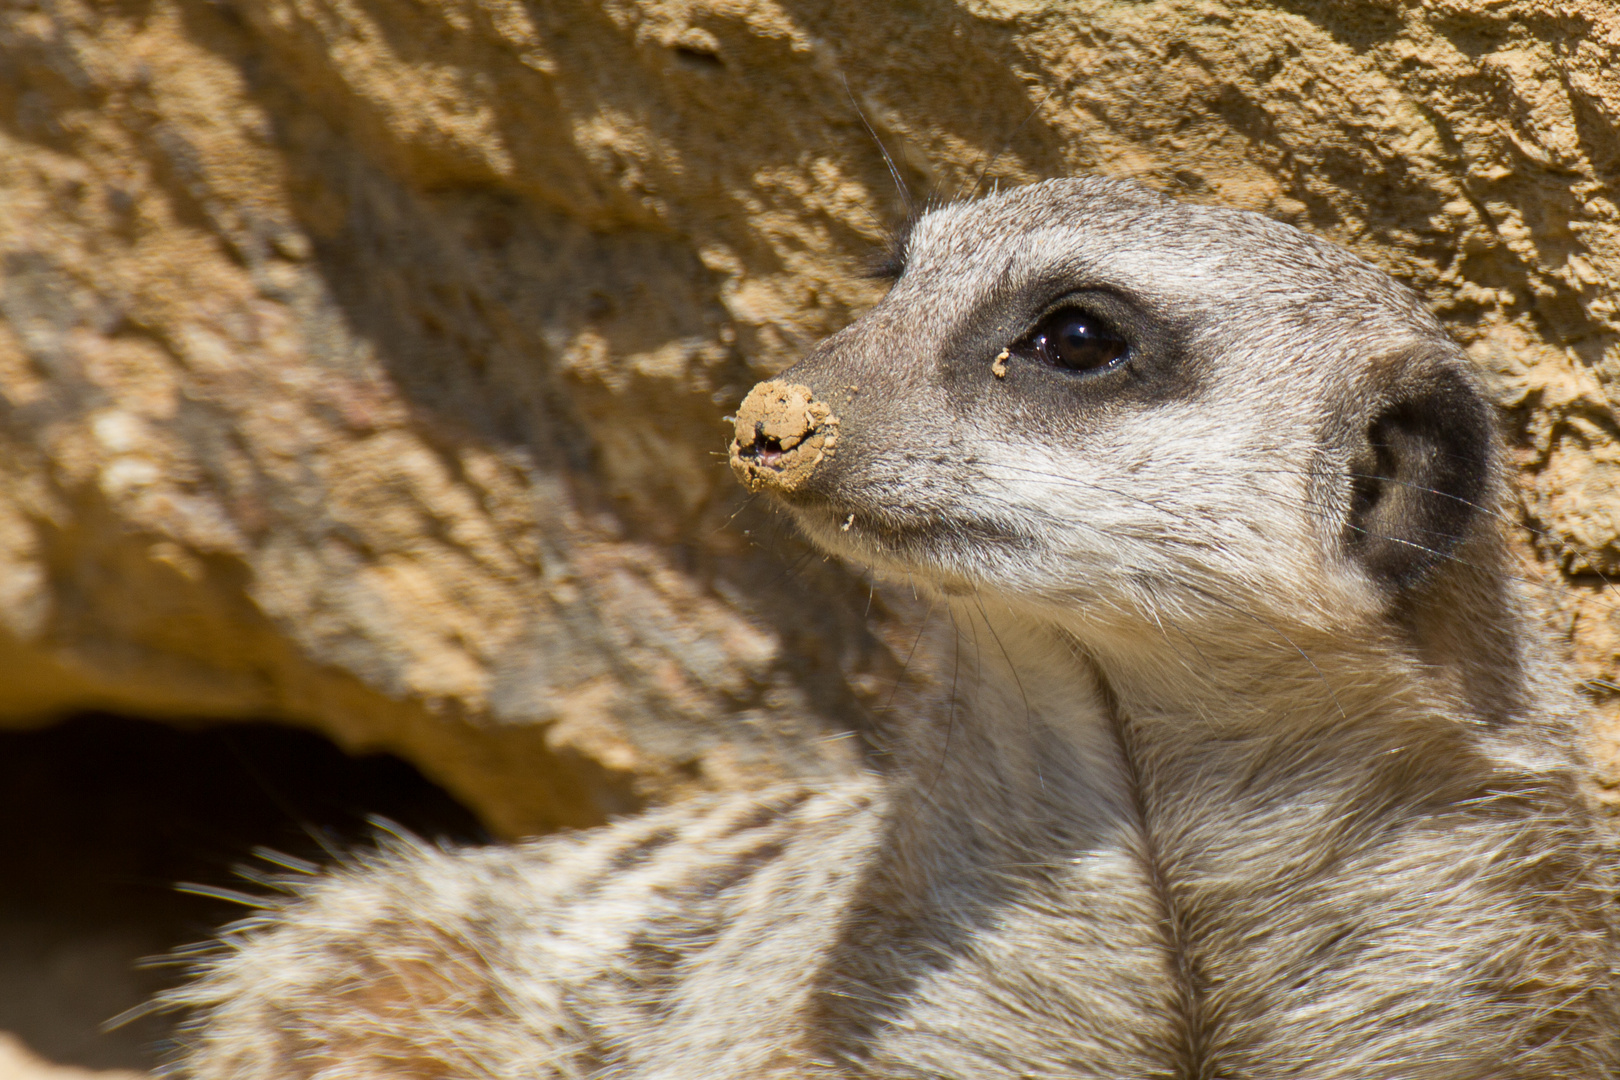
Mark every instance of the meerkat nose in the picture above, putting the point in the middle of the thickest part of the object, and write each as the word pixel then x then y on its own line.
pixel 782 434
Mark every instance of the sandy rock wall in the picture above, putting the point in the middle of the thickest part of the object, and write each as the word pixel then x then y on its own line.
pixel 362 361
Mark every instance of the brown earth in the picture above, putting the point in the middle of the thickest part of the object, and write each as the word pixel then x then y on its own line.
pixel 17 1062
pixel 781 433
pixel 362 361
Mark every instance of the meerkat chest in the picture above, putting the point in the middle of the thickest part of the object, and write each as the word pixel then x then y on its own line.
pixel 932 934
pixel 1046 963
pixel 1065 974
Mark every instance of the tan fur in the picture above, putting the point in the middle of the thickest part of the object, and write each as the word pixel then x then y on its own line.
pixel 1254 766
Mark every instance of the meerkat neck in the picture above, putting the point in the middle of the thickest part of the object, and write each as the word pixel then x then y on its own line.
pixel 1030 678
pixel 1050 716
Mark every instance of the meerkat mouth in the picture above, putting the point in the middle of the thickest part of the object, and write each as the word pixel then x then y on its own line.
pixel 783 436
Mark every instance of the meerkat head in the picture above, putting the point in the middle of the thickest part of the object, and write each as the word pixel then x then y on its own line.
pixel 1086 394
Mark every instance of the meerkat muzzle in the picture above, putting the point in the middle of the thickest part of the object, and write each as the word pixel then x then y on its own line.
pixel 783 433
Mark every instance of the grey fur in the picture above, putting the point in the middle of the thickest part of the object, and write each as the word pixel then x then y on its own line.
pixel 1260 768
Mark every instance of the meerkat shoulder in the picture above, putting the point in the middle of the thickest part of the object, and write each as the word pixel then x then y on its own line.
pixel 559 957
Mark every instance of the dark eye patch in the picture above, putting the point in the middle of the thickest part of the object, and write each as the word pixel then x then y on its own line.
pixel 1103 349
pixel 1073 339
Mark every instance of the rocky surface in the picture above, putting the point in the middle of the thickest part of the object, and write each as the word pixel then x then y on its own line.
pixel 17 1062
pixel 362 361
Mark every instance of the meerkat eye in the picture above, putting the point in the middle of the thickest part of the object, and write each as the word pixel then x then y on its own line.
pixel 1075 340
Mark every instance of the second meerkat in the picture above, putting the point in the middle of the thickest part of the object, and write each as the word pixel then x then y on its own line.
pixel 1264 769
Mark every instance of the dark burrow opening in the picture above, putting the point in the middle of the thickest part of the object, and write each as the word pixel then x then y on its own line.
pixel 103 815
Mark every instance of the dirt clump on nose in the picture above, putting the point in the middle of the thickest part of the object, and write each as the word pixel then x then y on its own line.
pixel 782 434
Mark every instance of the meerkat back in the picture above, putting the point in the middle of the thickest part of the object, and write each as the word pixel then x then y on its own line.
pixel 1262 766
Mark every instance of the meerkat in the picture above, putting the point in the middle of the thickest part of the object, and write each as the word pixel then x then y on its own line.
pixel 1264 768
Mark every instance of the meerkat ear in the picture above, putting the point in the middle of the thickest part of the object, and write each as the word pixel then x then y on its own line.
pixel 1418 485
